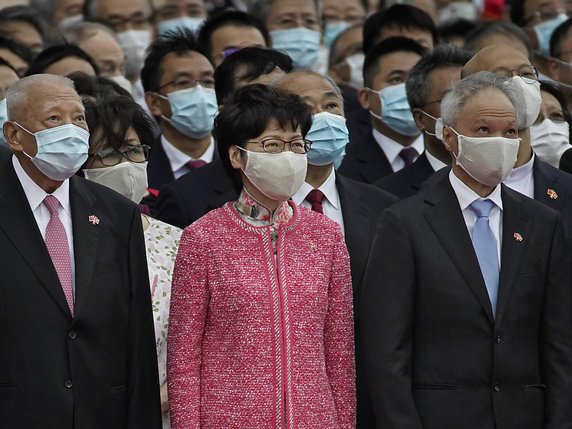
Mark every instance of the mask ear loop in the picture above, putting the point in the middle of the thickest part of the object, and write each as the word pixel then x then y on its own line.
pixel 435 119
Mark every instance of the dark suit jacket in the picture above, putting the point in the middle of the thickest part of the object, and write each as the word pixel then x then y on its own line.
pixel 435 356
pixel 365 161
pixel 98 369
pixel 407 181
pixel 189 197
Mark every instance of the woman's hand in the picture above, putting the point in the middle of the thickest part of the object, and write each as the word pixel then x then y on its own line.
pixel 164 399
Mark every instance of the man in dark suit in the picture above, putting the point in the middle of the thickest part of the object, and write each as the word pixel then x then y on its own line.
pixel 392 140
pixel 188 198
pixel 77 346
pixel 179 92
pixel 427 83
pixel 353 205
pixel 531 176
pixel 466 315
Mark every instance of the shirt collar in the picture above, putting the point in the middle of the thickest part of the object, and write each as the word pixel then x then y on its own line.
pixel 35 194
pixel 435 163
pixel 328 188
pixel 522 171
pixel 178 159
pixel 391 148
pixel 467 196
pixel 253 209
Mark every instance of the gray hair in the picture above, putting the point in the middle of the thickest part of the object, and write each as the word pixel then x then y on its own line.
pixel 261 8
pixel 454 101
pixel 20 92
pixel 78 33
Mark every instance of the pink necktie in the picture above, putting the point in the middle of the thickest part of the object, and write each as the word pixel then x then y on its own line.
pixel 57 244
pixel 193 165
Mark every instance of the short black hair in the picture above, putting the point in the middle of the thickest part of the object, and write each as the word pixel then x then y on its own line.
pixel 225 19
pixel 397 16
pixel 441 57
pixel 386 47
pixel 96 87
pixel 491 28
pixel 248 112
pixel 517 12
pixel 255 62
pixel 178 42
pixel 54 54
pixel 558 37
pixel 17 48
pixel 553 88
pixel 27 14
pixel 457 27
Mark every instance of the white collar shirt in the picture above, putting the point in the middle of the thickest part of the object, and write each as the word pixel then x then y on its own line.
pixel 391 148
pixel 178 159
pixel 521 179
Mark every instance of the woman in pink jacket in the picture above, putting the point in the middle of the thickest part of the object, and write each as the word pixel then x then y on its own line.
pixel 261 330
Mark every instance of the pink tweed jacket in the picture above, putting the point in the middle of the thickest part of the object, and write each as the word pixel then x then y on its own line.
pixel 258 341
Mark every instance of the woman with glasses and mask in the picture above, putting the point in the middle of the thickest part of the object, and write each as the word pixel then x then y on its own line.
pixel 261 332
pixel 119 131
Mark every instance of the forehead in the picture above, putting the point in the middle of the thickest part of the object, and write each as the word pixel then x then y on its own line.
pixel 187 62
pixel 295 7
pixel 502 58
pixel 342 5
pixel 236 35
pixel 402 61
pixel 52 96
pixel 502 39
pixel 422 37
pixel 442 79
pixel 126 8
pixel 348 42
pixel 549 101
pixel 486 103
pixel 307 85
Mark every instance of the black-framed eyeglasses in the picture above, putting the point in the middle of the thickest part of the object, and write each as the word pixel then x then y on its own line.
pixel 274 145
pixel 528 73
pixel 186 83
pixel 110 156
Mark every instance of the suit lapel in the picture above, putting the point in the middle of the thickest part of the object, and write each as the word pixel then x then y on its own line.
pixel 420 171
pixel 373 158
pixel 356 225
pixel 516 223
pixel 86 238
pixel 20 227
pixel 546 188
pixel 446 220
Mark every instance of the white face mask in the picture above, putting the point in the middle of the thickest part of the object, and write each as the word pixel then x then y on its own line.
pixel 530 91
pixel 355 62
pixel 488 160
pixel 550 140
pixel 276 175
pixel 123 82
pixel 127 178
pixel 134 43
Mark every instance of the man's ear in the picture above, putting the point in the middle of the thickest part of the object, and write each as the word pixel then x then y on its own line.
pixel 553 69
pixel 12 135
pixel 448 138
pixel 418 117
pixel 363 98
pixel 154 103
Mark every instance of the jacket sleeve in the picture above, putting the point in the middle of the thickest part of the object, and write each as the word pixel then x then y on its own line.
pixel 188 313
pixel 143 401
pixel 556 334
pixel 339 336
pixel 387 305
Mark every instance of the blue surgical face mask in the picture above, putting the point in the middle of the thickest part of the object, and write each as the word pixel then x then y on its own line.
pixel 61 150
pixel 395 111
pixel 3 118
pixel 193 111
pixel 187 22
pixel 332 30
pixel 300 43
pixel 544 31
pixel 329 136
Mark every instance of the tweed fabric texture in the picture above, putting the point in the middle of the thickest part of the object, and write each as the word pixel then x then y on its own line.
pixel 256 341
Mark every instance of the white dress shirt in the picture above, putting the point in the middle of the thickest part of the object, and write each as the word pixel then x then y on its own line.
pixel 391 149
pixel 36 195
pixel 466 196
pixel 521 179
pixel 178 159
pixel 435 163
pixel 331 203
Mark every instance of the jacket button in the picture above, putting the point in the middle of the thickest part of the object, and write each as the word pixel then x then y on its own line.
pixel 68 384
pixel 498 339
pixel 72 335
pixel 497 387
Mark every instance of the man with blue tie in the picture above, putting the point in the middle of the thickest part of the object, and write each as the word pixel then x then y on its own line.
pixel 466 301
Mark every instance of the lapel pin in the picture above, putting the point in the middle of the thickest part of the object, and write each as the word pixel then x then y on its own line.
pixel 552 194
pixel 94 219
pixel 517 236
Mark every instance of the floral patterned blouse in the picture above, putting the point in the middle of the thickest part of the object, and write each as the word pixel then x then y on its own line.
pixel 161 242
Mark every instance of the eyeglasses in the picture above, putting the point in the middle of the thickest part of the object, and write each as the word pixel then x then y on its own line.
pixel 274 145
pixel 528 73
pixel 186 83
pixel 136 153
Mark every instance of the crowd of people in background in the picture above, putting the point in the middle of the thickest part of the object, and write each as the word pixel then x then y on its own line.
pixel 286 214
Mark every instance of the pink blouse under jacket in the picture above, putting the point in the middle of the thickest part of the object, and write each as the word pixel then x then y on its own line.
pixel 256 340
